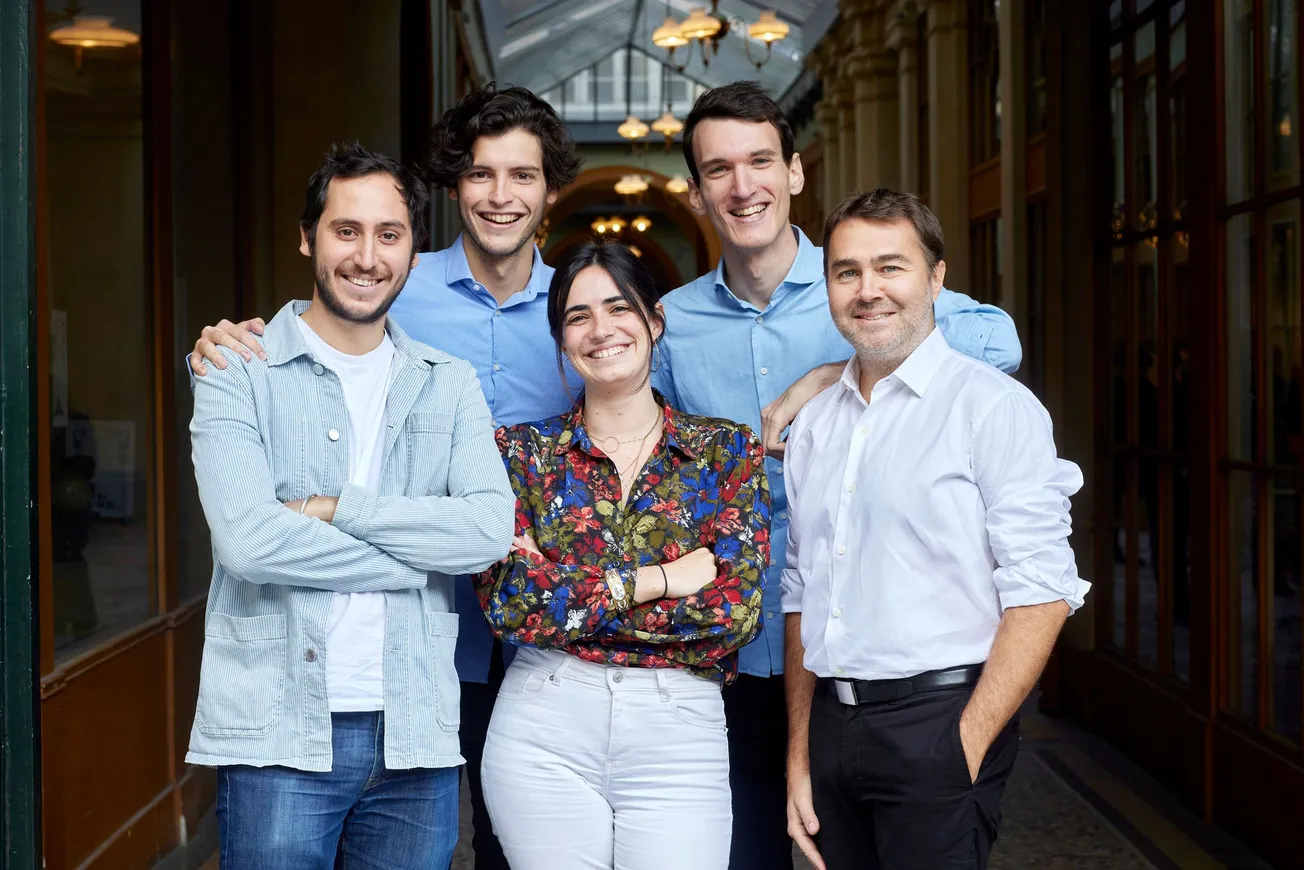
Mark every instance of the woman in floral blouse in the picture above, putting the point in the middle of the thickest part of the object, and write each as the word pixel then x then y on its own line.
pixel 642 538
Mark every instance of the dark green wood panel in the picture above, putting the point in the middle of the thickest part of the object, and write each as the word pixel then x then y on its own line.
pixel 19 746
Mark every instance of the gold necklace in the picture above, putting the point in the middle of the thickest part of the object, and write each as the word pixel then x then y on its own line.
pixel 602 442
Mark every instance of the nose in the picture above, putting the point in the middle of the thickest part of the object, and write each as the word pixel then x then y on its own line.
pixel 870 289
pixel 365 254
pixel 601 327
pixel 744 185
pixel 500 193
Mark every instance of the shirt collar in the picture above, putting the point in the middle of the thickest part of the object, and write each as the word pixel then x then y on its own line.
pixel 283 341
pixel 916 371
pixel 805 270
pixel 458 273
pixel 680 432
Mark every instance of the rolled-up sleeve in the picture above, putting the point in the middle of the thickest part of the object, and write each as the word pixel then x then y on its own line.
pixel 1026 489
pixel 978 330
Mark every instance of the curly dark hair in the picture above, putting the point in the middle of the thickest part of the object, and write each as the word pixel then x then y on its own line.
pixel 351 160
pixel 492 112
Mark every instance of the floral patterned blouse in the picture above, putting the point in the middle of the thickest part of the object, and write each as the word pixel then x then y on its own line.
pixel 703 486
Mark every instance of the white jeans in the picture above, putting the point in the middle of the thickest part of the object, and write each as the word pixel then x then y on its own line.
pixel 608 768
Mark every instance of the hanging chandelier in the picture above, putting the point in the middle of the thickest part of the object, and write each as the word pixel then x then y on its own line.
pixel 614 226
pixel 631 184
pixel 677 184
pixel 705 30
pixel 84 32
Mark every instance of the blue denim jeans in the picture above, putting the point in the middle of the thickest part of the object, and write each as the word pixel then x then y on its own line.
pixel 359 816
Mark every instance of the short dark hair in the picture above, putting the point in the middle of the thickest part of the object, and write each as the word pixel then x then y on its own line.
pixel 491 112
pixel 632 278
pixel 739 101
pixel 887 205
pixel 354 161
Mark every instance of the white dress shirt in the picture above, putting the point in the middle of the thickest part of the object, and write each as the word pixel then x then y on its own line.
pixel 919 516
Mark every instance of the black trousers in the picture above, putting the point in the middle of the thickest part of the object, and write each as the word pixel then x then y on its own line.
pixel 891 785
pixel 477 706
pixel 756 714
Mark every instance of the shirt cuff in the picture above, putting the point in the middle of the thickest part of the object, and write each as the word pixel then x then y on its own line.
pixel 792 588
pixel 354 511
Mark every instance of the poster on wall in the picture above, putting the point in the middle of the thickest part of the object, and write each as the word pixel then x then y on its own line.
pixel 59 368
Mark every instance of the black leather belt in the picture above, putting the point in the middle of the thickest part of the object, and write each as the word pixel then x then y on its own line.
pixel 856 692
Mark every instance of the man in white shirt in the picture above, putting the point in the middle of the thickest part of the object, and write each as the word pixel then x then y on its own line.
pixel 928 572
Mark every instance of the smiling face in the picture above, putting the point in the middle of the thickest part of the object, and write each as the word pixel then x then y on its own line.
pixel 362 249
pixel 745 189
pixel 604 335
pixel 881 291
pixel 502 197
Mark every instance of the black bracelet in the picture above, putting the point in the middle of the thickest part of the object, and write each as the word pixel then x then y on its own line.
pixel 665 583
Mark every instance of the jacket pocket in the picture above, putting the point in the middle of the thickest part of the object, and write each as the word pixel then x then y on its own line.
pixel 242 678
pixel 441 630
pixel 429 445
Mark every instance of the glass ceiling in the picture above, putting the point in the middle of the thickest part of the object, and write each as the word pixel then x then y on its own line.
pixel 546 42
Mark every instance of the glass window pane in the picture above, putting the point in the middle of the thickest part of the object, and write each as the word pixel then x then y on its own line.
pixel 1238 42
pixel 1283 112
pixel 1180 562
pixel 98 284
pixel 1177 35
pixel 205 247
pixel 1287 546
pixel 1145 153
pixel 1145 289
pixel 1115 13
pixel 1118 156
pixel 1122 538
pixel 1243 611
pixel 1036 78
pixel 1285 426
pixel 1241 333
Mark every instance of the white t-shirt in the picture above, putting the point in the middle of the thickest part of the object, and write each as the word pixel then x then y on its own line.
pixel 355 630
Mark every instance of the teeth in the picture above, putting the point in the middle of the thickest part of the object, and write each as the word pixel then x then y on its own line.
pixel 364 282
pixel 608 352
pixel 750 210
pixel 501 218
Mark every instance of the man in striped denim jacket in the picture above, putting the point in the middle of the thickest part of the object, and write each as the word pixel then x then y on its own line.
pixel 344 482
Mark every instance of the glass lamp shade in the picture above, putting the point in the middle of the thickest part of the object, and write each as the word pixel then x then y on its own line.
pixel 668 35
pixel 93 31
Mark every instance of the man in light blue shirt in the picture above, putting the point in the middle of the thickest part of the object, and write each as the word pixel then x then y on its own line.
pixel 502 156
pixel 735 339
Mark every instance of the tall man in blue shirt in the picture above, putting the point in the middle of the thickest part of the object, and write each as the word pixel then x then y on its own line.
pixel 492 311
pixel 502 156
pixel 735 339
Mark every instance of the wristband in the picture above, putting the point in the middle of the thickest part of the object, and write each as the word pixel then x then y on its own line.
pixel 665 583
pixel 303 507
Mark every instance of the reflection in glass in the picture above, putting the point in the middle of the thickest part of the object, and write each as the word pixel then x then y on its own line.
pixel 1244 606
pixel 98 285
pixel 1241 423
pixel 1181 422
pixel 1124 540
pixel 1145 154
pixel 1283 109
pixel 1239 43
pixel 1117 158
pixel 1285 427
pixel 1179 570
pixel 1145 263
pixel 1285 615
pixel 1177 35
pixel 1144 47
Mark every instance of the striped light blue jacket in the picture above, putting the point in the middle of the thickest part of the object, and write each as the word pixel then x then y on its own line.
pixel 268 433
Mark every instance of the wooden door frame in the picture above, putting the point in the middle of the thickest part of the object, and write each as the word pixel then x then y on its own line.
pixel 19 709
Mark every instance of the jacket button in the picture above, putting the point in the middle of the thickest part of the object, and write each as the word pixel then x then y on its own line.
pixel 334 434
pixel 310 655
pixel 318 369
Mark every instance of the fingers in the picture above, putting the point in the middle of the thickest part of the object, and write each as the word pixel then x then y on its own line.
pixel 776 417
pixel 254 325
pixel 243 337
pixel 196 360
pixel 802 826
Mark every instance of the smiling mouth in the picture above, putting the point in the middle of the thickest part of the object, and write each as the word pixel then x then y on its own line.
pixel 504 220
pixel 362 282
pixel 609 352
pixel 750 211
pixel 874 318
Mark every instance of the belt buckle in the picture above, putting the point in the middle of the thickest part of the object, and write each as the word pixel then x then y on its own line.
pixel 847 692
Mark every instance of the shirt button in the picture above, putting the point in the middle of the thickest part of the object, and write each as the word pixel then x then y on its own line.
pixel 497 367
pixel 617 676
pixel 851 487
pixel 334 434
pixel 310 655
pixel 842 550
pixel 780 470
pixel 837 612
pixel 498 312
pixel 760 318
pixel 764 370
pixel 783 515
pixel 864 430
pixel 318 369
pixel 838 671
pixel 769 614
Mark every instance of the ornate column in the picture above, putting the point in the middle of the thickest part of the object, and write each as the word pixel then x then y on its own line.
pixel 826 112
pixel 901 39
pixel 948 119
pixel 1014 162
pixel 872 70
pixel 845 97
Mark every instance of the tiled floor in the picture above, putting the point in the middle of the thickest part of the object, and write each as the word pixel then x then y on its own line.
pixel 1071 803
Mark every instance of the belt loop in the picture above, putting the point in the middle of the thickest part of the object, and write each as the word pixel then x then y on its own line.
pixel 663 684
pixel 556 675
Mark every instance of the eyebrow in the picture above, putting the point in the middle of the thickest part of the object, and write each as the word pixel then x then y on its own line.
pixel 721 161
pixel 525 167
pixel 608 301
